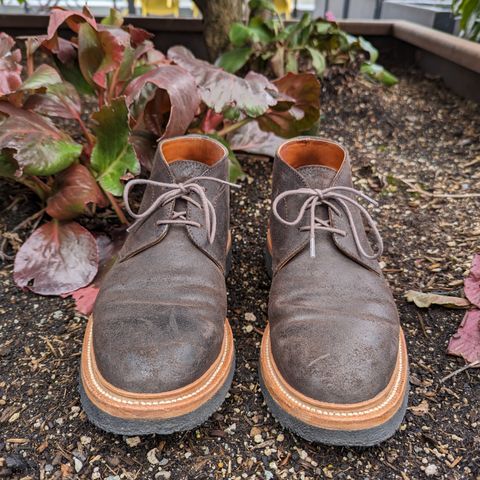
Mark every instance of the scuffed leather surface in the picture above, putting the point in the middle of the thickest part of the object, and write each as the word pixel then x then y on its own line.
pixel 147 232
pixel 334 326
pixel 219 195
pixel 159 317
pixel 288 240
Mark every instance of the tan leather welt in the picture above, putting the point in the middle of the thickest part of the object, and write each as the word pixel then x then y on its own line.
pixel 333 416
pixel 131 405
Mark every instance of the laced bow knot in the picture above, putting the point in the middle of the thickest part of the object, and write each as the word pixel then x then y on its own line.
pixel 337 200
pixel 182 191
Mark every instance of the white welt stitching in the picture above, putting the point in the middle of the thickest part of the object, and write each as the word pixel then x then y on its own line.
pixel 153 402
pixel 301 404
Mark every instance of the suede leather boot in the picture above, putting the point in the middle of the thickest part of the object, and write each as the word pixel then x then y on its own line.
pixel 158 352
pixel 334 365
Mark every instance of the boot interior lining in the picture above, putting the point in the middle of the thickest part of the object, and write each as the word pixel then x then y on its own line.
pixel 301 153
pixel 197 149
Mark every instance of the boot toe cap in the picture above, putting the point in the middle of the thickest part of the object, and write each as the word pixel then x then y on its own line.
pixel 151 354
pixel 327 366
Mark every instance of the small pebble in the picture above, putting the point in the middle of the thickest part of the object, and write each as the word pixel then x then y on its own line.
pixel 431 470
pixel 133 441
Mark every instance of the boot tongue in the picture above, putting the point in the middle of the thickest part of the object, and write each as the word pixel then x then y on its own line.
pixel 317 176
pixel 183 170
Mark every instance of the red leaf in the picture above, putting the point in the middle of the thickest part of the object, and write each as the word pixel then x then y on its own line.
pixel 73 19
pixel 251 139
pixel 211 121
pixel 61 100
pixel 223 91
pixel 472 282
pixel 10 67
pixel 138 35
pixel 466 342
pixel 85 299
pixel 57 258
pixel 107 251
pixel 144 144
pixel 64 49
pixel 76 188
pixel 113 42
pixel 288 122
pixel 172 106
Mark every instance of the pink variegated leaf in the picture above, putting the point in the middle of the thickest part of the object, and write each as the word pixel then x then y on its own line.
pixel 472 282
pixel 466 341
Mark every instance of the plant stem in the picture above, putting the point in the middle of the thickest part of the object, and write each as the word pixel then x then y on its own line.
pixel 29 220
pixel 116 207
pixel 34 184
pixel 90 138
pixel 234 126
pixel 30 65
pixel 86 132
pixel 113 84
pixel 45 188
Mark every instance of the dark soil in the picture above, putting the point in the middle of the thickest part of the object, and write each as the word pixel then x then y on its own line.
pixel 417 131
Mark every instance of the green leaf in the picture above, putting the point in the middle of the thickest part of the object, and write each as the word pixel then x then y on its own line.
pixel 235 172
pixel 262 5
pixel 369 48
pixel 292 62
pixel 299 33
pixel 322 27
pixel 234 60
pixel 318 60
pixel 60 154
pixel 43 76
pixel 378 73
pixel 114 18
pixel 90 53
pixel 39 147
pixel 239 34
pixel 113 155
pixel 260 31
pixel 71 73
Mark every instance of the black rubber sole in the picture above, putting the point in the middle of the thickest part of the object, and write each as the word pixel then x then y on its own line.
pixel 122 426
pixel 345 438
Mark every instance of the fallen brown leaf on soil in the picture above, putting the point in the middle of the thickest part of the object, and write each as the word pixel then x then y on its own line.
pixel 421 409
pixel 425 300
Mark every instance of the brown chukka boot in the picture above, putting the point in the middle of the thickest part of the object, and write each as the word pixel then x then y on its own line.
pixel 158 353
pixel 334 365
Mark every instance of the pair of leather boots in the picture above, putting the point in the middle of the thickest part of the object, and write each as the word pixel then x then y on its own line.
pixel 158 354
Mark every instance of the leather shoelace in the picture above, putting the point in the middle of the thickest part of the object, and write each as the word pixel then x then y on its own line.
pixel 181 191
pixel 333 197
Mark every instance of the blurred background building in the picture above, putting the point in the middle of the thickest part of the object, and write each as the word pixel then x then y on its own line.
pixel 431 13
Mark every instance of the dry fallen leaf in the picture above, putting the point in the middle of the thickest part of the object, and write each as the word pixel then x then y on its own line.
pixel 425 300
pixel 421 409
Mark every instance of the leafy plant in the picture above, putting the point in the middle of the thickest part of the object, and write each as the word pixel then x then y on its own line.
pixel 77 162
pixel 266 44
pixel 469 11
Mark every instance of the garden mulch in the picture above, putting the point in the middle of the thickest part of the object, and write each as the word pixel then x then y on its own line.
pixel 417 131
